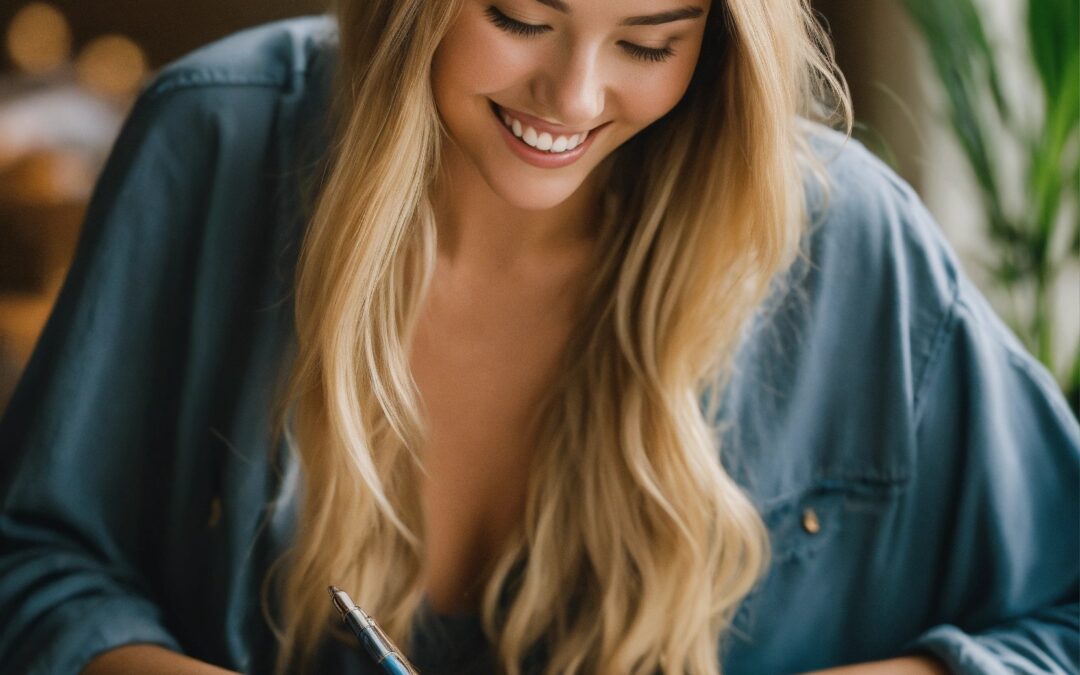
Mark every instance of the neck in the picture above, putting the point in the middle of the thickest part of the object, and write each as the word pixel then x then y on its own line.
pixel 478 229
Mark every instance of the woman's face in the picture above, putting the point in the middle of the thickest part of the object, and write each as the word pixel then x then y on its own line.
pixel 561 71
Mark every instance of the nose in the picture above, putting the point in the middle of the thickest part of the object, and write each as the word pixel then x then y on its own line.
pixel 573 88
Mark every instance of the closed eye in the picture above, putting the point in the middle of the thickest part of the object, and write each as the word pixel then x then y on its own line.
pixel 648 53
pixel 514 26
pixel 530 30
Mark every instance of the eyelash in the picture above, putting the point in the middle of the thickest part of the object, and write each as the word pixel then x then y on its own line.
pixel 529 30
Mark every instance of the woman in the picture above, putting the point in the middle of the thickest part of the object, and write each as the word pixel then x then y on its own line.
pixel 696 387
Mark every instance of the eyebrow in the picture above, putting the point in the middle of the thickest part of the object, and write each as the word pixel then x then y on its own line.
pixel 679 14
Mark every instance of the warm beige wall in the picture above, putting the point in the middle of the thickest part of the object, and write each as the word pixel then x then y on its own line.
pixel 877 49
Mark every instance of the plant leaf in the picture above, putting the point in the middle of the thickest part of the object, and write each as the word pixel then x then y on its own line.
pixel 1048 156
pixel 1054 35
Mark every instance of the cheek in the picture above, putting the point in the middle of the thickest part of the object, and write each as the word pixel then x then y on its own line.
pixel 646 99
pixel 656 88
pixel 473 59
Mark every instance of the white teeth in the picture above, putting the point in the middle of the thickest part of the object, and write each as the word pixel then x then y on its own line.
pixel 544 140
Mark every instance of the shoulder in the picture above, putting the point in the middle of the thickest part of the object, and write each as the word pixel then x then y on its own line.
pixel 231 110
pixel 216 139
pixel 829 374
pixel 279 55
pixel 885 268
pixel 243 94
pixel 866 331
pixel 870 231
pixel 880 266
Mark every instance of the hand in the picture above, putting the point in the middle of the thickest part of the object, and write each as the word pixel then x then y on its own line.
pixel 132 659
pixel 908 665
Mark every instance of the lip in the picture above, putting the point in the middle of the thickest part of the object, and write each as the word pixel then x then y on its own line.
pixel 539 124
pixel 541 158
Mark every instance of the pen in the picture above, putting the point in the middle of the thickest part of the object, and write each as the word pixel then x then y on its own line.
pixel 375 641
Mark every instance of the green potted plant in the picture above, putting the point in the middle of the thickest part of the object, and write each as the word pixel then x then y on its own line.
pixel 1033 239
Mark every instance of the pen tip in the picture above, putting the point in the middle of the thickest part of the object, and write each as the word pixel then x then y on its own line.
pixel 341 600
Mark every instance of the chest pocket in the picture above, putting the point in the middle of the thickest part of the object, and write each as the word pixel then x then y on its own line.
pixel 801 524
pixel 817 522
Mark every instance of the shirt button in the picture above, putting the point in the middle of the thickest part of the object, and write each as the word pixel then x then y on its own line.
pixel 810 521
pixel 215 513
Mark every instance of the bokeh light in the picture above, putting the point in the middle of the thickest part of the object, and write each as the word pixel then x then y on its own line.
pixel 111 65
pixel 38 38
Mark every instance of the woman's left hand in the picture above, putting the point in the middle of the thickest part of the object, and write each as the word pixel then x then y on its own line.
pixel 908 665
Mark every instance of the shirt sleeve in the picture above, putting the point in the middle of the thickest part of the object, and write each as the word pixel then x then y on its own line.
pixel 85 442
pixel 997 501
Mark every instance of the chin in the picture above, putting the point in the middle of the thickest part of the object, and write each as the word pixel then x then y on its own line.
pixel 540 195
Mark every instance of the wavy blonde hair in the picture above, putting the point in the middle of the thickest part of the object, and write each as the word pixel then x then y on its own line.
pixel 628 508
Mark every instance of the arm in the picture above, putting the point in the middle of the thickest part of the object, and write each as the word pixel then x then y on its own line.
pixel 995 511
pixel 87 442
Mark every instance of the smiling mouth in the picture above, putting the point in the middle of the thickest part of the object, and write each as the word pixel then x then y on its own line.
pixel 539 138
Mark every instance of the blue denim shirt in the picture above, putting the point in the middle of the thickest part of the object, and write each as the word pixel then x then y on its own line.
pixel 917 470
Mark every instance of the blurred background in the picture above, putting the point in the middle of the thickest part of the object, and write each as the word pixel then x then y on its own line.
pixel 974 102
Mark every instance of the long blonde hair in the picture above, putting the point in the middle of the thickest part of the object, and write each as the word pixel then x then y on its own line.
pixel 628 509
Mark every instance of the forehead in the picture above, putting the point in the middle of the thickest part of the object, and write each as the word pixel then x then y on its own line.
pixel 627 12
